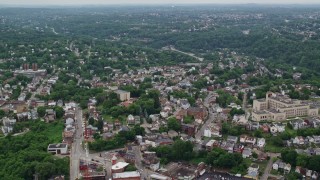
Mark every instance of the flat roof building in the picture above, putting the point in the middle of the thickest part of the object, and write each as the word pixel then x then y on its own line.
pixel 131 175
pixel 278 107
pixel 61 148
pixel 123 95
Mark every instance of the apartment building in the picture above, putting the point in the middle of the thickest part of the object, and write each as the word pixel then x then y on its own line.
pixel 279 107
pixel 123 95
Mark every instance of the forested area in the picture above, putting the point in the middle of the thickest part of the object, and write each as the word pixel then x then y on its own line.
pixel 23 156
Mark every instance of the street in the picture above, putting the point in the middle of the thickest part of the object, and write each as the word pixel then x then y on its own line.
pixel 269 166
pixel 76 149
pixel 200 132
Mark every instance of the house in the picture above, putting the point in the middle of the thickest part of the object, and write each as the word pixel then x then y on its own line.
pixel 261 142
pixel 123 95
pixel 280 127
pixel 137 120
pixel 50 115
pixel 253 171
pixel 227 146
pixel 265 128
pixel 238 148
pixel 24 116
pixel 316 139
pixel 184 103
pixel 189 129
pixel 287 168
pixel 8 125
pixel 250 140
pixel 212 143
pixel 273 129
pixel 150 160
pixel 69 121
pixel 197 112
pixel 315 175
pixel 299 140
pixel 130 157
pixel 107 135
pixel 52 103
pixel 275 165
pixel 68 137
pixel 60 148
pixel 233 139
pixel 130 120
pixel 172 134
pixel 246 153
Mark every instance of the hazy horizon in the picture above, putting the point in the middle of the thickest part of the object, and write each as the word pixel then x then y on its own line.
pixel 133 2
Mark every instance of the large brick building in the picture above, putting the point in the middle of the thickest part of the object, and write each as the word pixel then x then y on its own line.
pixel 279 107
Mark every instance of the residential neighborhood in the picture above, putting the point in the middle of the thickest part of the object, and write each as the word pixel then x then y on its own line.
pixel 159 93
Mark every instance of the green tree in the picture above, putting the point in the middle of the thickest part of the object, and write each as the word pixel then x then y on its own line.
pixel 91 121
pixel 314 163
pixel 174 124
pixel 289 156
pixel 59 111
pixel 41 111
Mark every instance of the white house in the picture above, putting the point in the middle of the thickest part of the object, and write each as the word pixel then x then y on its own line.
pixel 261 142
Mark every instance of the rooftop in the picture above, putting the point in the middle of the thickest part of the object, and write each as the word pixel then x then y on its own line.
pixel 126 174
pixel 60 145
pixel 119 165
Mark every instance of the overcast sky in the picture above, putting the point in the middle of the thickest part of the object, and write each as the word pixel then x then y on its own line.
pixel 77 2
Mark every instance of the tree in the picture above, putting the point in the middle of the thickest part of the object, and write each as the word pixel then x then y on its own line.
pixel 139 130
pixel 41 111
pixel 91 121
pixel 314 163
pixel 235 111
pixel 2 113
pixel 59 111
pixel 302 160
pixel 182 150
pixel 174 124
pixel 293 176
pixel 257 133
pixel 289 156
pixel 100 125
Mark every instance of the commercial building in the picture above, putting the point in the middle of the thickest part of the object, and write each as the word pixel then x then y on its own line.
pixel 60 148
pixel 131 175
pixel 31 73
pixel 119 167
pixel 279 107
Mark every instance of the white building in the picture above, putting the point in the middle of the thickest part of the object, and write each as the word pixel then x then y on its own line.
pixel 60 148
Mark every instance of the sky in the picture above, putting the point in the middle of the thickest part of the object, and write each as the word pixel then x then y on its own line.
pixel 79 2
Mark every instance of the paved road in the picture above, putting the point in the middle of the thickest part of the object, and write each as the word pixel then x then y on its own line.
pixel 200 132
pixel 186 53
pixel 145 173
pixel 76 149
pixel 269 166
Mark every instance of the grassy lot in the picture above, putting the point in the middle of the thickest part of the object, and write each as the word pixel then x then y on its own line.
pixel 108 118
pixel 54 131
pixel 292 132
pixel 196 161
pixel 275 172
pixel 262 166
pixel 272 148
